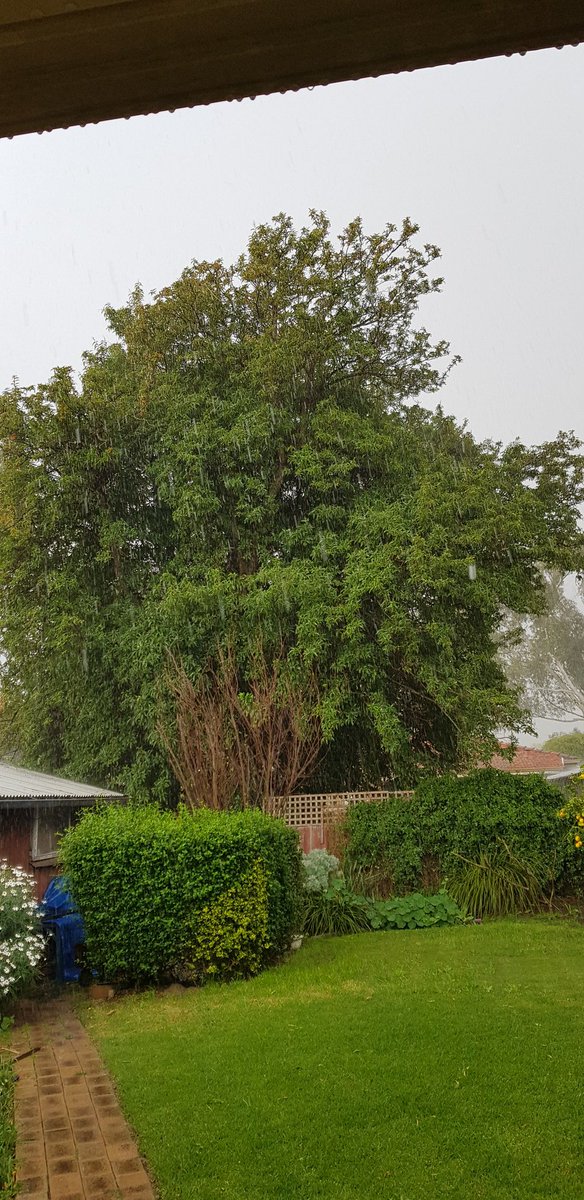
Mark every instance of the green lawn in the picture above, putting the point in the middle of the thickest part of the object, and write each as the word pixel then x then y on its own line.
pixel 6 1127
pixel 405 1066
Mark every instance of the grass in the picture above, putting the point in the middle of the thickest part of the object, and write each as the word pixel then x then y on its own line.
pixel 422 1065
pixel 7 1188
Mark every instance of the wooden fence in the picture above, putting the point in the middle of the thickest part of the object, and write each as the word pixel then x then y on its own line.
pixel 314 815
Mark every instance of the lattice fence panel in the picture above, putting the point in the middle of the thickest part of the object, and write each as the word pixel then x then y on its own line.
pixel 324 808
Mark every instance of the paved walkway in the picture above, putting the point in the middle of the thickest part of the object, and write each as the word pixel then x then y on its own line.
pixel 73 1142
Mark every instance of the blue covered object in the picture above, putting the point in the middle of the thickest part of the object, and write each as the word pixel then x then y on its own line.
pixel 64 932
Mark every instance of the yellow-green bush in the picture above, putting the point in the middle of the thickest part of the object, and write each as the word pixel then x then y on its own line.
pixel 230 936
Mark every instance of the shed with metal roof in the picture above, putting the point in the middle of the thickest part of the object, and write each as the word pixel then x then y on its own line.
pixel 35 808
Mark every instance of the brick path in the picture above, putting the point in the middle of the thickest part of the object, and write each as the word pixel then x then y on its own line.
pixel 73 1142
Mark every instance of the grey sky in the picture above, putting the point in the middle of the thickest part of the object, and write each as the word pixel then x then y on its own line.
pixel 487 158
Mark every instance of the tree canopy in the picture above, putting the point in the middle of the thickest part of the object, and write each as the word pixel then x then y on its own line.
pixel 567 743
pixel 247 464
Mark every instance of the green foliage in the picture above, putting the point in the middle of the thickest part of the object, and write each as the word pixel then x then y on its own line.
pixel 364 881
pixel 384 836
pixel 319 867
pixel 451 818
pixel 571 744
pixel 415 911
pixel 244 464
pixel 571 817
pixel 339 910
pixel 496 885
pixel 7 1131
pixel 336 910
pixel 230 936
pixel 158 889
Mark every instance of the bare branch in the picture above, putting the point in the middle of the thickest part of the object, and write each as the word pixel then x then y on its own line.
pixel 229 747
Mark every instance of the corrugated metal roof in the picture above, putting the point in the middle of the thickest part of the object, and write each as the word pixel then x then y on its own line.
pixel 17 783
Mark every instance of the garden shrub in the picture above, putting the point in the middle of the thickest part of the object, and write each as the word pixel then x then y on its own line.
pixel 230 936
pixel 144 879
pixel 450 819
pixel 336 910
pixel 319 868
pixel 21 941
pixel 415 911
pixel 571 816
pixel 496 884
pixel 383 836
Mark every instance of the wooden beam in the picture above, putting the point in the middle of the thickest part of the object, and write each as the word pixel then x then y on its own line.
pixel 69 62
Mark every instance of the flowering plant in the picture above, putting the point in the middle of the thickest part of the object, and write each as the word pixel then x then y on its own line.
pixel 21 941
pixel 572 811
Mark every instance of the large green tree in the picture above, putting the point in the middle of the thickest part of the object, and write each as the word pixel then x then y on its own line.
pixel 246 465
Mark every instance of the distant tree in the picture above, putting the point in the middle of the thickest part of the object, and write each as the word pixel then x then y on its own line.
pixel 567 743
pixel 246 464
pixel 547 660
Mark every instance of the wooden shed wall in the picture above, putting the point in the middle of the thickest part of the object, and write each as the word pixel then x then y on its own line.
pixel 16 827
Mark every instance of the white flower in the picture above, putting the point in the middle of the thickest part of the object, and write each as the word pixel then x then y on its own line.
pixel 21 942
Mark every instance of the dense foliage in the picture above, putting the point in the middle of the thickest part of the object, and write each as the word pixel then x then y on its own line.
pixel 336 909
pixel 245 465
pixel 416 911
pixel 21 940
pixel 165 894
pixel 497 884
pixel 229 936
pixel 452 821
pixel 572 816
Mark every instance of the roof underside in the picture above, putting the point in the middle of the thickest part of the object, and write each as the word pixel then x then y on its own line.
pixel 19 786
pixel 68 62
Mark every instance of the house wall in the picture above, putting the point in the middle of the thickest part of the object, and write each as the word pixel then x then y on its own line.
pixel 15 836
pixel 16 843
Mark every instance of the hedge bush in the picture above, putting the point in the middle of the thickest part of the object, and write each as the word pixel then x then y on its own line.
pixel 159 890
pixel 420 841
pixel 229 936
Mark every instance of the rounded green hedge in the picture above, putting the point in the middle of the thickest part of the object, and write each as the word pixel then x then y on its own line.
pixel 449 819
pixel 156 890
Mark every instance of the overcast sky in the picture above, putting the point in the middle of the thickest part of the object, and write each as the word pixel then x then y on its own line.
pixel 487 157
